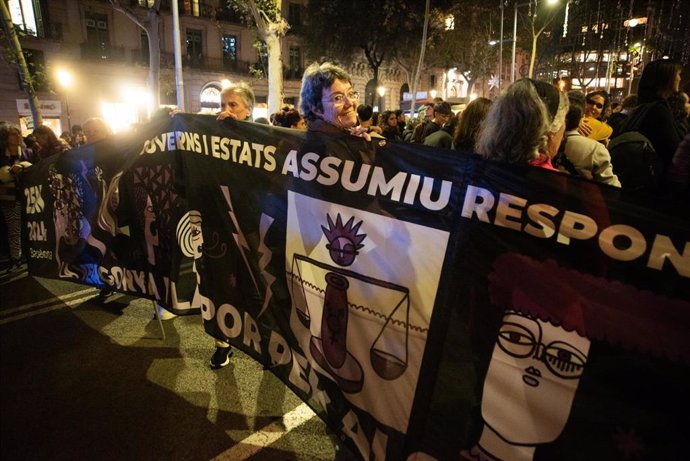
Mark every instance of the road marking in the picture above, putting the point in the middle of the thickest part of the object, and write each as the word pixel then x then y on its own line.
pixel 12 277
pixel 53 300
pixel 267 435
pixel 58 305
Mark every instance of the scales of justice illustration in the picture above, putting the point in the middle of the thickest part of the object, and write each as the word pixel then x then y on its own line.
pixel 336 294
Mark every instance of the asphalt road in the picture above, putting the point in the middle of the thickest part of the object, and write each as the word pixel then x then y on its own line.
pixel 82 379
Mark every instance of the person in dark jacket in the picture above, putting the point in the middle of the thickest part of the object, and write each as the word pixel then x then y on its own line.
pixel 653 116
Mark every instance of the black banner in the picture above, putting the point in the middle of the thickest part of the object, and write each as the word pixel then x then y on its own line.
pixel 427 304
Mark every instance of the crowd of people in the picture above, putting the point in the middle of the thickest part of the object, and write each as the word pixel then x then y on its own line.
pixel 18 153
pixel 531 122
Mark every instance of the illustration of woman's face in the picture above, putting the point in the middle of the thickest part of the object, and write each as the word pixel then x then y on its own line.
pixel 149 220
pixel 197 240
pixel 532 379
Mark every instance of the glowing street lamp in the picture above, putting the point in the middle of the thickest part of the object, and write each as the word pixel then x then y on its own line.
pixel 433 94
pixel 65 79
pixel 381 90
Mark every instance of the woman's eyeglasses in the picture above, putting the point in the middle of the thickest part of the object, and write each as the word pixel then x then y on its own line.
pixel 340 98
pixel 598 105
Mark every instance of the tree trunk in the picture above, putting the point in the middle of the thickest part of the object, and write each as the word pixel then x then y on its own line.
pixel 413 101
pixel 275 73
pixel 533 57
pixel 24 75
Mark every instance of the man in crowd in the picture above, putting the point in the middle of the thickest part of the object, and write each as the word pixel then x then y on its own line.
pixel 237 102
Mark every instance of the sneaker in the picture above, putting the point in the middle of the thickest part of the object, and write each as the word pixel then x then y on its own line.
pixel 105 293
pixel 221 357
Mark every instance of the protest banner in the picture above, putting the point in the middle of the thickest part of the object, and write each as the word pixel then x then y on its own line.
pixel 426 304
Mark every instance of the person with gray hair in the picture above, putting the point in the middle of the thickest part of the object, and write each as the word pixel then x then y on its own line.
pixel 237 102
pixel 96 129
pixel 525 124
pixel 328 101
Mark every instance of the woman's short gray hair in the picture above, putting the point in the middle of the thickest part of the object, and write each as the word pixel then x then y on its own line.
pixel 316 78
pixel 244 91
pixel 516 127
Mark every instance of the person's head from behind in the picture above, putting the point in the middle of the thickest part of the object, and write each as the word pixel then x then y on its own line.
pixel 95 129
pixel 238 100
pixel 471 119
pixel 597 103
pixel 660 79
pixel 629 103
pixel 365 113
pixel 290 118
pixel 526 120
pixel 327 94
pixel 576 111
pixel 442 113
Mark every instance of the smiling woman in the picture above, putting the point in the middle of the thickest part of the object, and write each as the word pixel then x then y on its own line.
pixel 327 95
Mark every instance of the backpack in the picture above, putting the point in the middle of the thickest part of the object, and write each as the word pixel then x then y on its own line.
pixel 633 158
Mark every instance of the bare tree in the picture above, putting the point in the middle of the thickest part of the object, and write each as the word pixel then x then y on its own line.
pixel 151 26
pixel 266 15
pixel 539 19
pixel 464 44
pixel 16 57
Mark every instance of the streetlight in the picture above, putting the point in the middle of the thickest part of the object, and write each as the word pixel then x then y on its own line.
pixel 515 15
pixel 381 90
pixel 432 93
pixel 64 78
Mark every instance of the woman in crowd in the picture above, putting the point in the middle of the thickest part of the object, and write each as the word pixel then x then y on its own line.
pixel 471 119
pixel 653 116
pixel 594 125
pixel 13 160
pixel 47 143
pixel 389 126
pixel 328 101
pixel 525 124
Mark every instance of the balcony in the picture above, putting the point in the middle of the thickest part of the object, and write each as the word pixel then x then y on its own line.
pixel 204 63
pixel 102 52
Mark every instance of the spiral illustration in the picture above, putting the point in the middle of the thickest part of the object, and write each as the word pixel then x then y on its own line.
pixel 185 232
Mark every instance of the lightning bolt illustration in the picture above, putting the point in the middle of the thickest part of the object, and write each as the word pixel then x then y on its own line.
pixel 265 258
pixel 239 236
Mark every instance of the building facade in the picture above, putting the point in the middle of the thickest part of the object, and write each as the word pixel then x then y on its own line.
pixel 90 60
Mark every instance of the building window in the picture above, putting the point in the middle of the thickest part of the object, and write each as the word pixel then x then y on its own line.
pixel 294 14
pixel 27 16
pixel 195 53
pixel 229 43
pixel 97 38
pixel 36 64
pixel 295 69
pixel 191 7
pixel 432 81
pixel 450 22
pixel 144 49
pixel 262 63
